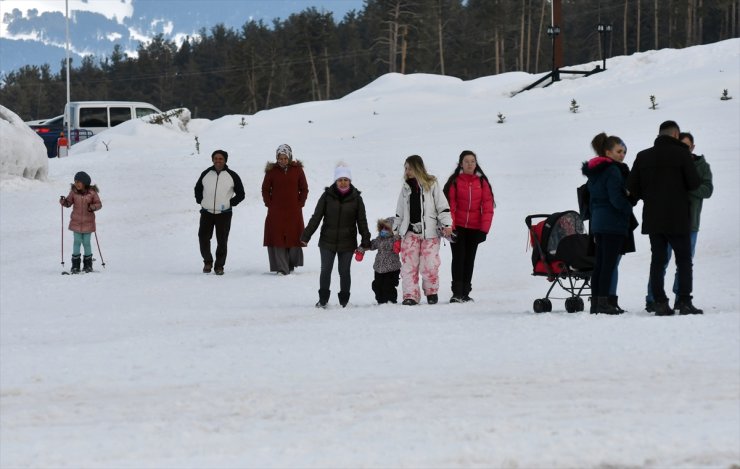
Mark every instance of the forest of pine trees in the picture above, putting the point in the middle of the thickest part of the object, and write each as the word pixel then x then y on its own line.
pixel 311 56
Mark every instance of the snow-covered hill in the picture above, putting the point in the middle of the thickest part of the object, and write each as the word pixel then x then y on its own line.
pixel 151 363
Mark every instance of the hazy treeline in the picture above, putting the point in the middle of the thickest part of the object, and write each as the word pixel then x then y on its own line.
pixel 310 56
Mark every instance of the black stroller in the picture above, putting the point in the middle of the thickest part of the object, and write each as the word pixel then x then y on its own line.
pixel 560 253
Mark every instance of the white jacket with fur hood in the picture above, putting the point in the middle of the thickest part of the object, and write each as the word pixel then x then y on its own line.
pixel 435 211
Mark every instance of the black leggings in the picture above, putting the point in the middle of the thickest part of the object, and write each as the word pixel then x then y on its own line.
pixel 608 248
pixel 327 265
pixel 463 259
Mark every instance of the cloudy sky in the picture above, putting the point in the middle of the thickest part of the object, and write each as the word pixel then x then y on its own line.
pixel 37 27
pixel 203 12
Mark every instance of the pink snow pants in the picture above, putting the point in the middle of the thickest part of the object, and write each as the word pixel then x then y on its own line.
pixel 419 255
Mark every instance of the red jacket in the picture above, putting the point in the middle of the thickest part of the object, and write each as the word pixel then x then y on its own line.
pixel 284 192
pixel 84 204
pixel 471 202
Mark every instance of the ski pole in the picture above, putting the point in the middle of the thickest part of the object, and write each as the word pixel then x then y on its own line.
pixel 102 261
pixel 62 207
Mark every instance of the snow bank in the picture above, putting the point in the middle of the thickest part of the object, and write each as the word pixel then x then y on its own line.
pixel 163 127
pixel 22 152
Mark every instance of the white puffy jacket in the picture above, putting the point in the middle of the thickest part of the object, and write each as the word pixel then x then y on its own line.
pixel 435 211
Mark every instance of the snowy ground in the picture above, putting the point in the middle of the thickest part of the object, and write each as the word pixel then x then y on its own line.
pixel 151 363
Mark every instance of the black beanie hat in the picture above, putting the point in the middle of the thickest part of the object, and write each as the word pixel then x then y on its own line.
pixel 83 177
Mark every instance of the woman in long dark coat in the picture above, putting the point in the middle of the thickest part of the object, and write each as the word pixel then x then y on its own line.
pixel 284 191
pixel 611 213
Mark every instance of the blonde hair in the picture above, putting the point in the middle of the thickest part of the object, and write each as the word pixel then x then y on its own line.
pixel 426 180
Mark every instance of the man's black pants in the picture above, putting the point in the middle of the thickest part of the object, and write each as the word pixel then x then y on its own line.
pixel 681 244
pixel 222 224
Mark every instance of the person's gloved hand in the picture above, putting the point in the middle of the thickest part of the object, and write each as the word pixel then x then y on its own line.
pixel 61 200
pixel 359 254
pixel 397 246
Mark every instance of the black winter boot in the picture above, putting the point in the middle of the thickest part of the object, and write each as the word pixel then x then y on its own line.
pixel 593 301
pixel 343 298
pixel 87 263
pixel 685 306
pixel 458 293
pixel 75 264
pixel 323 298
pixel 432 299
pixel 662 308
pixel 614 301
pixel 603 306
pixel 466 293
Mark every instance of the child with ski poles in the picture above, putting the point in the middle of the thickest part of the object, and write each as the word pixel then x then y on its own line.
pixel 84 200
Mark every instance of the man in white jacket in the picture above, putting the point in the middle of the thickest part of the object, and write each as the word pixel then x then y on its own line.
pixel 218 190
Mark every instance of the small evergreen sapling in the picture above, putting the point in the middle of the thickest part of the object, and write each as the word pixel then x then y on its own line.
pixel 573 106
pixel 242 123
pixel 725 95
pixel 197 145
pixel 653 104
pixel 501 118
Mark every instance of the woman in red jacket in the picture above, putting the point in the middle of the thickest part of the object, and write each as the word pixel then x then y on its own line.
pixel 284 191
pixel 471 204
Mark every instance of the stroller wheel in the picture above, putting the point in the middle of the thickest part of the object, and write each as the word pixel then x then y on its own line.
pixel 571 304
pixel 542 305
pixel 579 304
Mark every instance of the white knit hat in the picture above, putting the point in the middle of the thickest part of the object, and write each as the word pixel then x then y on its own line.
pixel 284 149
pixel 342 172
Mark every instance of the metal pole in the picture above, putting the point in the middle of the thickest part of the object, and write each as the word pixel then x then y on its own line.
pixel 62 207
pixel 66 108
pixel 101 254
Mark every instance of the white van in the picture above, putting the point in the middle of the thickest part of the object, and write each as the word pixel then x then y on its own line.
pixel 92 117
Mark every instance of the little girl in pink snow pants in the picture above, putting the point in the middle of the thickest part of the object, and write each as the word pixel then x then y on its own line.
pixel 421 209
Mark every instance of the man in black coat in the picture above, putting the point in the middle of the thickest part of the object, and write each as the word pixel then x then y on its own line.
pixel 662 177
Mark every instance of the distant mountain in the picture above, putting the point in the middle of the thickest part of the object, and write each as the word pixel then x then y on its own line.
pixel 34 37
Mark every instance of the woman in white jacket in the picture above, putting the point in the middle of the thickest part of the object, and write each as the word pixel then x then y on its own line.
pixel 421 209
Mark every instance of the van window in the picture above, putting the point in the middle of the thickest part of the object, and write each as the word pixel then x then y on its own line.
pixel 94 117
pixel 144 111
pixel 119 115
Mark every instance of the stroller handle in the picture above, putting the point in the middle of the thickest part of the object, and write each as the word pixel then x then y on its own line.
pixel 528 219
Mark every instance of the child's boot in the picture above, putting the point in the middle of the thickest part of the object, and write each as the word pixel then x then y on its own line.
pixel 75 264
pixel 86 264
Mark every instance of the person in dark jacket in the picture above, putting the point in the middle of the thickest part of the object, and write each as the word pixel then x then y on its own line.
pixel 218 190
pixel 611 211
pixel 696 201
pixel 284 192
pixel 343 213
pixel 662 177
pixel 471 200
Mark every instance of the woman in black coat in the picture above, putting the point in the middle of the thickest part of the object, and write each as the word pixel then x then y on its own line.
pixel 343 212
pixel 611 213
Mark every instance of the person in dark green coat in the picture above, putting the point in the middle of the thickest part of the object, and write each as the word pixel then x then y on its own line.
pixel 696 201
pixel 343 213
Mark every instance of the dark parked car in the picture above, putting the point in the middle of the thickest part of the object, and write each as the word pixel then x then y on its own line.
pixel 49 131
